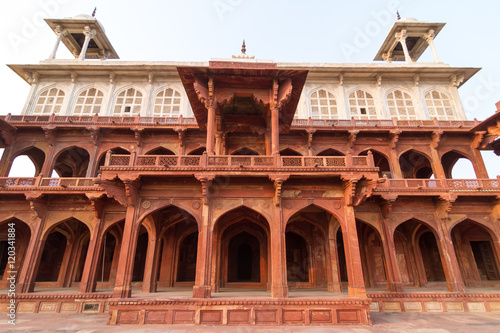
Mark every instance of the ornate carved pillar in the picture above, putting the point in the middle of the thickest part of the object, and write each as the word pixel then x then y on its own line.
pixel 88 281
pixel 211 127
pixel 275 130
pixel 202 286
pixel 394 279
pixel 429 38
pixel 401 37
pixel 478 162
pixel 152 256
pixel 437 167
pixel 123 282
pixel 393 158
pixel 279 285
pixel 352 254
pixel 89 34
pixel 60 33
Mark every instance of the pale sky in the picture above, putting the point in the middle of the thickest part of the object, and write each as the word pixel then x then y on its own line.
pixel 279 30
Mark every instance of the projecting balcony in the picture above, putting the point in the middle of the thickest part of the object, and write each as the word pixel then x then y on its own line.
pixel 48 184
pixel 238 163
pixel 433 186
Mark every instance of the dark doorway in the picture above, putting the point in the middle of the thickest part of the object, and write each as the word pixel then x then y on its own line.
pixel 186 265
pixel 431 258
pixel 485 260
pixel 244 258
pixel 297 259
pixel 140 255
pixel 52 257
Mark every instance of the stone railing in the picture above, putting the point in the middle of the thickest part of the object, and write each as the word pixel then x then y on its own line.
pixel 450 184
pixel 191 122
pixel 238 161
pixel 6 182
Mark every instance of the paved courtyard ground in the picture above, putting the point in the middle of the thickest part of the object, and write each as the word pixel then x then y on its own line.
pixel 382 322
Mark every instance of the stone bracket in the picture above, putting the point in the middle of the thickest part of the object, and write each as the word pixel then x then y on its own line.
pixel 206 182
pixel 278 181
pixel 37 204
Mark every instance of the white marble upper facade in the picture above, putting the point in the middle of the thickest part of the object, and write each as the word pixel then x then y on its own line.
pixel 321 99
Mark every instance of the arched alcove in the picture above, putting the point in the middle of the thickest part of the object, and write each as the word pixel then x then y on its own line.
pixel 72 162
pixel 28 163
pixel 457 166
pixel 415 165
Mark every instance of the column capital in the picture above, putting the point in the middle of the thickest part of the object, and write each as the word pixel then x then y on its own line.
pixel 429 36
pixel 89 32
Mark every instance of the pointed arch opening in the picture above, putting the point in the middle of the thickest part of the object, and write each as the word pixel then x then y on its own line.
pixel 245 151
pixel 289 152
pixel 415 165
pixel 27 163
pixel 198 151
pixel 381 162
pixel 312 256
pixel 419 255
pixel 102 158
pixel 108 256
pixel 477 254
pixel 372 256
pixel 241 250
pixel 160 151
pixel 71 162
pixel 63 256
pixel 330 152
pixel 457 166
pixel 22 237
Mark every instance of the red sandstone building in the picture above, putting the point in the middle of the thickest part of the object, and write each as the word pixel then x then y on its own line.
pixel 244 191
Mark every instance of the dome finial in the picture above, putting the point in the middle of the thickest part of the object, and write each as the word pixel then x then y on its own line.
pixel 399 16
pixel 93 13
pixel 243 48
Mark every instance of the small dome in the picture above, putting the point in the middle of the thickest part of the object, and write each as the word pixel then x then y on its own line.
pixel 408 19
pixel 83 17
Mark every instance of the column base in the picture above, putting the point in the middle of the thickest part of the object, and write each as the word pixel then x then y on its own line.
pixel 122 292
pixel 202 291
pixel 396 287
pixel 456 287
pixel 25 287
pixel 359 292
pixel 279 292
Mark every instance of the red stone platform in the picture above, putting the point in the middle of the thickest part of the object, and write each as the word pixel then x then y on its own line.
pixel 243 311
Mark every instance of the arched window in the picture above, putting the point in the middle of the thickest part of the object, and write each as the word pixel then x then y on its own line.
pixel 50 101
pixel 401 105
pixel 89 102
pixel 128 102
pixel 439 105
pixel 362 105
pixel 323 105
pixel 167 103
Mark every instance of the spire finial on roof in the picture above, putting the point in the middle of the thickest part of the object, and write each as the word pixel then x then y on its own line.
pixel 243 48
pixel 399 16
pixel 93 13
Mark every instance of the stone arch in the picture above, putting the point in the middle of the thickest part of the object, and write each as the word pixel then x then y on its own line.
pixel 109 251
pixel 160 151
pixel 372 253
pixel 316 226
pixel 245 151
pixel 330 152
pixel 415 164
pixel 64 244
pixel 198 151
pixel 23 234
pixel 477 249
pixel 418 245
pixel 449 160
pixel 102 158
pixel 34 154
pixel 166 226
pixel 71 161
pixel 289 152
pixel 381 161
pixel 235 228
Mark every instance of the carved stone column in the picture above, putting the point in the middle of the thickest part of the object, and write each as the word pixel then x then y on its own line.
pixel 352 254
pixel 202 286
pixel 123 282
pixel 401 37
pixel 89 34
